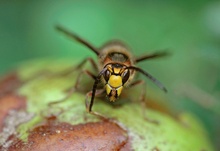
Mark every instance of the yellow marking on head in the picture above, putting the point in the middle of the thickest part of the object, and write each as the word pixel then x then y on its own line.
pixel 119 90
pixel 108 89
pixel 117 70
pixel 115 81
pixel 110 69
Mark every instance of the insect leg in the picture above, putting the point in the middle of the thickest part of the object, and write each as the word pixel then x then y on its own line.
pixel 89 103
pixel 143 99
pixel 93 93
pixel 78 80
pixel 79 66
pixel 74 88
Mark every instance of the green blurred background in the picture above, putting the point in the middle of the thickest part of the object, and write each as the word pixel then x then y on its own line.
pixel 189 29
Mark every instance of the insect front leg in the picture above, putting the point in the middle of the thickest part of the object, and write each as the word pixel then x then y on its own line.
pixel 143 99
pixel 89 102
pixel 94 93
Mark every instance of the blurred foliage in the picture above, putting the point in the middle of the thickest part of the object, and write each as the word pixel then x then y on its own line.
pixel 189 29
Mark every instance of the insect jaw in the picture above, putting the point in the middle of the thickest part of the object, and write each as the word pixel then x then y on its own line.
pixel 113 92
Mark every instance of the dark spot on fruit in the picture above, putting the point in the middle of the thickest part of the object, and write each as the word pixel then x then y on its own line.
pixel 102 136
pixel 10 102
pixel 9 83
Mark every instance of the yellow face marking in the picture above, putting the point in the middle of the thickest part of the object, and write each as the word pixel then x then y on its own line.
pixel 108 89
pixel 110 69
pixel 115 81
pixel 117 70
pixel 119 90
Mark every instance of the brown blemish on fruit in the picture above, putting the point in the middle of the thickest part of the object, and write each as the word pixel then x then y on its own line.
pixel 9 84
pixel 102 136
pixel 10 102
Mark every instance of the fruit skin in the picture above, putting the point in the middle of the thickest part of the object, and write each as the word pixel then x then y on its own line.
pixel 60 125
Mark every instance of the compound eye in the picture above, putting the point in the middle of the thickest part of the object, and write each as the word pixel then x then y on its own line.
pixel 107 75
pixel 125 75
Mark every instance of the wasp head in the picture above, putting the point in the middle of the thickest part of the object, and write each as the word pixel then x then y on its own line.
pixel 115 76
